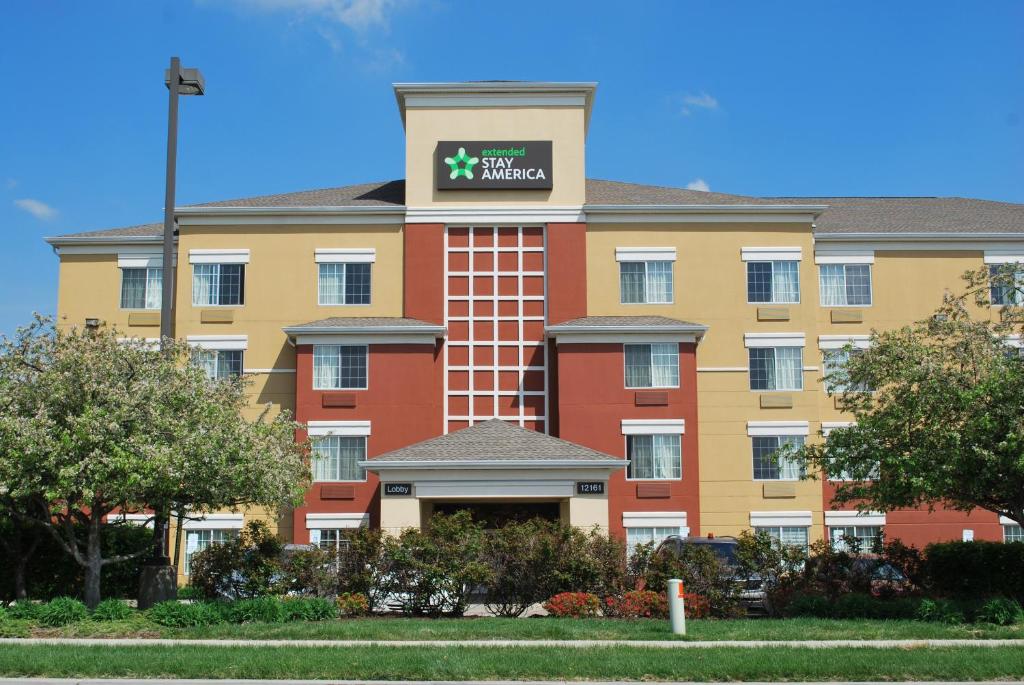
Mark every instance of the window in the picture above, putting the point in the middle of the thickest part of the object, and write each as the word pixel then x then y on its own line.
pixel 336 458
pixel 219 364
pixel 198 540
pixel 645 282
pixel 868 537
pixel 339 367
pixel 834 361
pixel 344 283
pixel 1006 292
pixel 1013 533
pixel 654 457
pixel 773 282
pixel 652 366
pixel 330 539
pixel 218 284
pixel 768 466
pixel 642 536
pixel 141 287
pixel 845 285
pixel 791 536
pixel 776 368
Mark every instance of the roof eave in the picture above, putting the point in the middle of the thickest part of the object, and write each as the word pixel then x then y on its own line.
pixel 223 210
pixel 706 208
pixel 436 331
pixel 57 241
pixel 379 464
pixel 914 236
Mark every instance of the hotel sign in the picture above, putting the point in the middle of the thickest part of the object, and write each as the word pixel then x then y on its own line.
pixel 493 165
pixel 397 489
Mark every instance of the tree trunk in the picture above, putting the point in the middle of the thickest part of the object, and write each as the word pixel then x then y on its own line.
pixel 20 589
pixel 93 564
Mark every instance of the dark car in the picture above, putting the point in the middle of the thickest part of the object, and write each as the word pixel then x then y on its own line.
pixel 752 592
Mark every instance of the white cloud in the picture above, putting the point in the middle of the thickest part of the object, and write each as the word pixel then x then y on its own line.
pixel 39 210
pixel 702 101
pixel 358 15
pixel 698 184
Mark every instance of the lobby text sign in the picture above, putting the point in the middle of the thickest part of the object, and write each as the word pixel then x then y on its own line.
pixel 493 165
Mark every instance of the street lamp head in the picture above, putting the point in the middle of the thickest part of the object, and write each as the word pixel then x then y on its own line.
pixel 190 82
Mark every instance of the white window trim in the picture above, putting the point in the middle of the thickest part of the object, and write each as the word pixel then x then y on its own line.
pixel 679 370
pixel 774 340
pixel 645 254
pixel 771 254
pixel 838 256
pixel 140 260
pixel 654 519
pixel 999 257
pixel 646 263
pixel 339 428
pixel 345 255
pixel 319 299
pixel 770 429
pixel 1006 521
pixel 838 342
pixel 219 342
pixel 336 520
pixel 216 522
pixel 653 426
pixel 344 341
pixel 625 447
pixel 829 426
pixel 842 519
pixel 787 519
pixel 221 256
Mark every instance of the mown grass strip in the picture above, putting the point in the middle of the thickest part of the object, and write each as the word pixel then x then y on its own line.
pixel 472 663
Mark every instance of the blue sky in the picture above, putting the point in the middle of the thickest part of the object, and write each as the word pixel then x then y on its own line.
pixel 796 98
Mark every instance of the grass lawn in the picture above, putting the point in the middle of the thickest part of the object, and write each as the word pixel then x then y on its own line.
pixel 530 628
pixel 475 663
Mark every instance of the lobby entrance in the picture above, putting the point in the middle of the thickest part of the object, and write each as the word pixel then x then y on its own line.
pixel 497 514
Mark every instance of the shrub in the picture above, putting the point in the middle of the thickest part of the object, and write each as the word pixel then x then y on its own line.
pixel 364 566
pixel 939 611
pixel 256 610
pixel 246 567
pixel 112 610
pixel 1000 611
pixel 24 609
pixel 637 604
pixel 573 605
pixel 309 609
pixel 701 571
pixel 173 614
pixel 975 569
pixel 62 611
pixel 694 606
pixel 312 572
pixel 352 604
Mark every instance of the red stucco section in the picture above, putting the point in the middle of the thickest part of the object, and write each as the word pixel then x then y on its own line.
pixel 424 272
pixel 593 401
pixel 567 272
pixel 402 403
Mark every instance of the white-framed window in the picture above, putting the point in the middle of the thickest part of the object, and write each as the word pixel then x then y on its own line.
pixel 845 285
pixel 868 537
pixel 340 367
pixel 336 458
pixel 834 361
pixel 219 364
pixel 1006 293
pixel 328 539
pixel 344 283
pixel 1012 533
pixel 773 282
pixel 652 365
pixel 790 536
pixel 141 287
pixel 768 465
pixel 647 534
pixel 647 282
pixel 218 284
pixel 776 368
pixel 654 457
pixel 198 540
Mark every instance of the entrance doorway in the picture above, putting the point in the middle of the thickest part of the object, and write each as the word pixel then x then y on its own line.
pixel 497 514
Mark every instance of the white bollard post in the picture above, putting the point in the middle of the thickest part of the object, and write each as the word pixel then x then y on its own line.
pixel 676 607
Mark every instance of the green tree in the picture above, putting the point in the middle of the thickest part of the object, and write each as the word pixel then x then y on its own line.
pixel 92 424
pixel 944 422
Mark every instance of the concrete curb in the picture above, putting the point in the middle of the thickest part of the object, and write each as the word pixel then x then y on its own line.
pixel 577 644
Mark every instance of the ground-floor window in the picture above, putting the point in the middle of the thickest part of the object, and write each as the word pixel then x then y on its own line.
pixel 198 540
pixel 328 539
pixel 1013 533
pixel 791 536
pixel 867 537
pixel 641 536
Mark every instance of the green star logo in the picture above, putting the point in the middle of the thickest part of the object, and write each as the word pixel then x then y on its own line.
pixel 461 164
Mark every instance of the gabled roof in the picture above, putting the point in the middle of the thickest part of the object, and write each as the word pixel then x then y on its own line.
pixel 495 441
pixel 366 324
pixel 660 323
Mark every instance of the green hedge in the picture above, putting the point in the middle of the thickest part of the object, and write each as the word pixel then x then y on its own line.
pixel 972 570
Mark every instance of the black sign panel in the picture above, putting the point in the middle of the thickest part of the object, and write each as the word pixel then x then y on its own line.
pixel 590 488
pixel 398 489
pixel 493 164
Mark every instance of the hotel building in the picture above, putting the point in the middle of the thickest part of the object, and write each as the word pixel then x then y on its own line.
pixel 499 332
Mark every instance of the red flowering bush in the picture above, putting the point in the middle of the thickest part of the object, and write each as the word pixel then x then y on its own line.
pixel 353 604
pixel 695 606
pixel 637 604
pixel 573 605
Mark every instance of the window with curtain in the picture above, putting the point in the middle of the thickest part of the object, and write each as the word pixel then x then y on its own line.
pixel 867 537
pixel 198 540
pixel 654 457
pixel 771 466
pixel 645 535
pixel 645 282
pixel 141 287
pixel 219 364
pixel 776 368
pixel 773 282
pixel 1013 533
pixel 339 367
pixel 218 284
pixel 336 458
pixel 791 536
pixel 1008 288
pixel 344 283
pixel 653 365
pixel 845 285
pixel 833 362
pixel 332 539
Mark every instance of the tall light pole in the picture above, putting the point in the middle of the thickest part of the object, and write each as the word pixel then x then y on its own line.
pixel 158 581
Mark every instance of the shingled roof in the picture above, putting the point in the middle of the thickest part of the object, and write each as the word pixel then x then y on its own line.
pixel 651 322
pixel 495 441
pixel 342 323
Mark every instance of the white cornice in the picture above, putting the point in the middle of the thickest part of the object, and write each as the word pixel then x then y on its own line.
pixel 381 465
pixel 753 213
pixel 622 334
pixel 514 214
pixel 284 216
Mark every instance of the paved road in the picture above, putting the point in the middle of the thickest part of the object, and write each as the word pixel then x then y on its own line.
pixel 652 644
